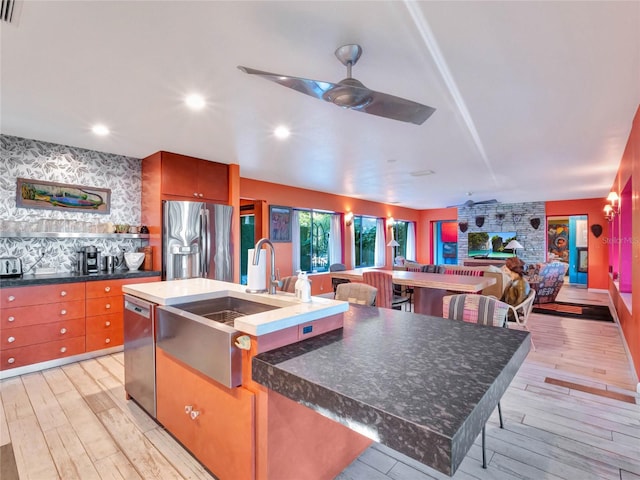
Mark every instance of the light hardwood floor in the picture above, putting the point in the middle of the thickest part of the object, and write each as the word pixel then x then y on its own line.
pixel 73 422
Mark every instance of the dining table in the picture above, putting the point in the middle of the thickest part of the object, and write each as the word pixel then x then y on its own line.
pixel 428 288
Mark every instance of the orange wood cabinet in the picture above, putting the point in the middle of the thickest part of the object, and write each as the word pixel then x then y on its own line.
pixel 40 323
pixel 104 310
pixel 41 294
pixel 191 178
pixel 214 422
pixel 19 357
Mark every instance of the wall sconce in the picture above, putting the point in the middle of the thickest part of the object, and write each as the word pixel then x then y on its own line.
pixel 348 218
pixel 612 209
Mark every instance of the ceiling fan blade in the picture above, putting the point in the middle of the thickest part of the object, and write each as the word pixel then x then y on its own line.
pixel 396 108
pixel 352 94
pixel 313 88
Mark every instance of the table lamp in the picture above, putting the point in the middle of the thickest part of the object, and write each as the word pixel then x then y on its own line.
pixel 514 245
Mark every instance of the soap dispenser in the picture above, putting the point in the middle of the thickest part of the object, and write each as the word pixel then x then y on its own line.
pixel 305 287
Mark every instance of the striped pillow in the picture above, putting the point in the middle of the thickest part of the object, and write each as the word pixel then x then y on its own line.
pixel 468 273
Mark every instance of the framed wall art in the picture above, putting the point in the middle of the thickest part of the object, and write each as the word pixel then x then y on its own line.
pixel 62 196
pixel 279 223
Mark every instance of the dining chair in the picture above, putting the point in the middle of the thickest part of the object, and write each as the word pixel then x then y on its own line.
pixel 520 313
pixel 359 293
pixel 337 267
pixel 289 284
pixel 383 281
pixel 483 310
pixel 408 290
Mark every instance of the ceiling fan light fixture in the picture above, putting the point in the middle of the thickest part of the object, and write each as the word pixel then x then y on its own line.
pixel 349 93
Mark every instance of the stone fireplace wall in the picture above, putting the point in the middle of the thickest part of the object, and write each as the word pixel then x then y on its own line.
pixel 507 217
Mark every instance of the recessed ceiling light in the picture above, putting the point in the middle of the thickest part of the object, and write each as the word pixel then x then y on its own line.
pixel 100 129
pixel 281 132
pixel 422 173
pixel 195 101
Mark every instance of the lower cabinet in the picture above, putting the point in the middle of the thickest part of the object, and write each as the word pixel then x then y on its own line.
pixel 214 422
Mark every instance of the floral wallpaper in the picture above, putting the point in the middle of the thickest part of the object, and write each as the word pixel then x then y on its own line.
pixel 33 159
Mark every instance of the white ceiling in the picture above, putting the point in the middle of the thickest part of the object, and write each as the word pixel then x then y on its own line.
pixel 534 99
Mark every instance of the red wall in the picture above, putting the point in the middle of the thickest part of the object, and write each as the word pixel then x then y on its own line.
pixel 276 194
pixel 424 230
pixel 629 173
pixel 598 247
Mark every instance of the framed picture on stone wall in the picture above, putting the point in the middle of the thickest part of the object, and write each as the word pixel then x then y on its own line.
pixel 62 196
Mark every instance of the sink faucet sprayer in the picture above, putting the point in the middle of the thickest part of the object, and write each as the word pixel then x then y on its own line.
pixel 256 257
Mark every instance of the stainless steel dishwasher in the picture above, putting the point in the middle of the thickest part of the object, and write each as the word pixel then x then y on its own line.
pixel 139 352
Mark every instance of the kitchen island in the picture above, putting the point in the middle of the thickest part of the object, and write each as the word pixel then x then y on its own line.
pixel 424 386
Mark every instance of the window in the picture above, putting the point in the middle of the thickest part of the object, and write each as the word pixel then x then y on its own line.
pixel 400 229
pixel 315 228
pixel 365 240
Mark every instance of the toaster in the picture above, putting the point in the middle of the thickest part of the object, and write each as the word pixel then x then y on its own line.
pixel 10 267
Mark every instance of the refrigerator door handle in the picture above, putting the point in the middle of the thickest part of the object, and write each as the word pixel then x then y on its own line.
pixel 206 242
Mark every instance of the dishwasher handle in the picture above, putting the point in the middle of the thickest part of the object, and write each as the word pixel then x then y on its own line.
pixel 139 310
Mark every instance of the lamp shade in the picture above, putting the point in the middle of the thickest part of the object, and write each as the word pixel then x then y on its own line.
pixel 393 243
pixel 513 244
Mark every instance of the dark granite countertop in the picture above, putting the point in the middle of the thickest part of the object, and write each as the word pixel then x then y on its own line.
pixel 55 278
pixel 422 385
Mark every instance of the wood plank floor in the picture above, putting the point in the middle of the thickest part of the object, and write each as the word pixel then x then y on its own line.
pixel 73 422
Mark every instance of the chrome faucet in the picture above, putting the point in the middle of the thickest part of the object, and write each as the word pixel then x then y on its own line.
pixel 256 257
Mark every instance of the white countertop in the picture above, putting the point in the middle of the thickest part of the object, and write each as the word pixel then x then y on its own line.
pixel 292 311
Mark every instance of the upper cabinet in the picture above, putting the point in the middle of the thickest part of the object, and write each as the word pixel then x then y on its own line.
pixel 187 177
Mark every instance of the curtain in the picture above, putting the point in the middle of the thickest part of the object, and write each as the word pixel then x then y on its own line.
pixel 335 240
pixel 380 258
pixel 411 241
pixel 295 241
pixel 352 232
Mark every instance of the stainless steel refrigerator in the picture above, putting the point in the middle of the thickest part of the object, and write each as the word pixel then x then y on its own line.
pixel 196 241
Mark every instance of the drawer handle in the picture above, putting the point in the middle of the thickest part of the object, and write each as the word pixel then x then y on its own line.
pixel 195 194
pixel 63 331
pixel 63 293
pixel 11 298
pixel 107 289
pixel 107 340
pixel 11 360
pixel 63 349
pixel 107 323
pixel 188 409
pixel 63 312
pixel 194 414
pixel 11 319
pixel 201 195
pixel 11 339
pixel 107 306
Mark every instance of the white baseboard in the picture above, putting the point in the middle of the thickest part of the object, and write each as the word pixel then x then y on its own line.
pixel 614 314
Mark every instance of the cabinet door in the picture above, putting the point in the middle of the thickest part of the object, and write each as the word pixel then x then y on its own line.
pixel 214 422
pixel 102 306
pixel 36 314
pixel 180 176
pixel 213 181
pixel 40 294
pixel 36 334
pixel 113 288
pixel 18 357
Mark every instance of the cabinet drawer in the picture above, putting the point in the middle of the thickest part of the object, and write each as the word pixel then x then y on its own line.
pixel 36 334
pixel 18 357
pixel 112 288
pixel 101 306
pixel 40 294
pixel 98 341
pixel 36 314
pixel 105 323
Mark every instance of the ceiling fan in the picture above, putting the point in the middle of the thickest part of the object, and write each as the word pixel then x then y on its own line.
pixel 351 93
pixel 471 203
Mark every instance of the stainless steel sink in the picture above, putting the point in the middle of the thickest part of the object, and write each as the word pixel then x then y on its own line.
pixel 225 309
pixel 201 333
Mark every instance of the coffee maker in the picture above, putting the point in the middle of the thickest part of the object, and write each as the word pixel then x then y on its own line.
pixel 88 260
